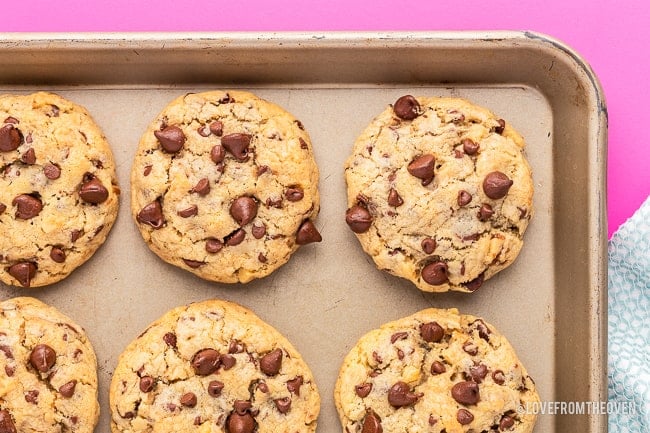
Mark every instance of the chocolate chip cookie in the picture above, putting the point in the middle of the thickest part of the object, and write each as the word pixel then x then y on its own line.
pixel 58 189
pixel 48 371
pixel 439 193
pixel 435 371
pixel 208 367
pixel 224 185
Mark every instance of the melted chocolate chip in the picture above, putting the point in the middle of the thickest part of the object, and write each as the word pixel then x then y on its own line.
pixel 435 273
pixel 308 233
pixel 11 119
pixel 235 238
pixel 271 363
pixel 152 215
pixel 258 230
pixel 496 185
pixel 194 264
pixel 52 171
pixel 3 208
pixel 478 372
pixel 432 332
pixel 215 387
pixel 27 206
pixel 372 423
pixel 470 348
pixel 498 377
pixel 146 383
pixel 6 350
pixel 213 245
pixel 502 126
pixel 262 386
pixel 294 193
pixel 188 212
pixel 217 154
pixel 283 404
pixel 483 330
pixel 171 138
pixel 216 128
pixel 464 417
pixel 10 138
pixel 428 245
pixel 29 157
pixel 398 336
pixel 506 423
pixel 422 167
pixel 358 219
pixel 400 395
pixel 228 361
pixel 294 385
pixel 485 213
pixel 202 187
pixel 475 284
pixel 75 235
pixel 437 367
pixel 470 147
pixel 237 144
pixel 303 143
pixel 57 254
pixel 464 198
pixel 394 199
pixel 205 362
pixel 9 371
pixel 170 339
pixel 23 272
pixel 243 210
pixel 466 393
pixel 406 107
pixel 363 389
pixel 32 396
pixel 42 357
pixel 67 389
pixel 262 258
pixel 188 399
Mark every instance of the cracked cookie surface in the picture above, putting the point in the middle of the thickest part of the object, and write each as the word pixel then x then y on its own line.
pixel 48 371
pixel 58 189
pixel 439 192
pixel 214 367
pixel 435 371
pixel 224 185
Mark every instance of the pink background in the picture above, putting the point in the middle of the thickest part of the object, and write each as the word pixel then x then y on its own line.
pixel 612 36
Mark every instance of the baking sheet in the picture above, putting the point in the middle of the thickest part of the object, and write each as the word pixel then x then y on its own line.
pixel 549 303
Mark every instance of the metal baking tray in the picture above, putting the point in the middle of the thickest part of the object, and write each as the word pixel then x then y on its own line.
pixel 551 303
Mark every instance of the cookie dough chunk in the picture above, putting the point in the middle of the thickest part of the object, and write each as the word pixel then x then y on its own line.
pixel 58 190
pixel 48 371
pixel 214 367
pixel 439 193
pixel 435 371
pixel 224 185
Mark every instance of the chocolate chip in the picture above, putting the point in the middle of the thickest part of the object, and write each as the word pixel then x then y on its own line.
pixel 422 167
pixel 242 406
pixel 483 330
pixel 478 372
pixel 261 257
pixel 400 395
pixel 194 264
pixel 464 198
pixel 377 357
pixel 146 383
pixel 372 423
pixel 398 336
pixel 7 351
pixel 54 111
pixel 67 389
pixel 3 208
pixel 188 399
pixel 237 423
pixel 432 420
pixel 10 138
pixel 485 213
pixel 32 396
pixel 506 423
pixel 432 332
pixel 394 199
pixel 283 404
pixel 203 130
pixel 263 169
pixel 92 190
pixel 307 233
pixel 216 128
pixel 52 171
pixel 262 386
pixel 406 107
pixel 57 254
pixel 213 245
pixel 258 230
pixel 502 126
pixel 435 273
pixel 358 219
pixel 188 212
pixel 498 377
pixel 202 187
pixel 466 392
pixel 469 146
pixel 271 363
pixel 42 357
pixel 228 361
pixel 237 144
pixel 170 339
pixel 152 214
pixel 9 370
pixel 363 389
pixel 6 422
pixel 470 348
pixel 303 143
pixel 11 119
pixel 294 385
pixel 197 420
pixel 75 235
pixel 215 387
pixel 217 154
pixel 437 367
pixel 294 193
pixel 475 284
pixel 29 157
pixel 496 185
pixel 464 416
pixel 235 238
pixel 243 210
pixel 171 138
pixel 23 272
pixel 27 206
pixel 205 362
pixel 428 245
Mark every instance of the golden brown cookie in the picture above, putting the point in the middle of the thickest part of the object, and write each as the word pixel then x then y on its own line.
pixel 58 189
pixel 224 185
pixel 439 192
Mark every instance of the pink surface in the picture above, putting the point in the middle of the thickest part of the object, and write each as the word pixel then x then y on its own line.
pixel 612 36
